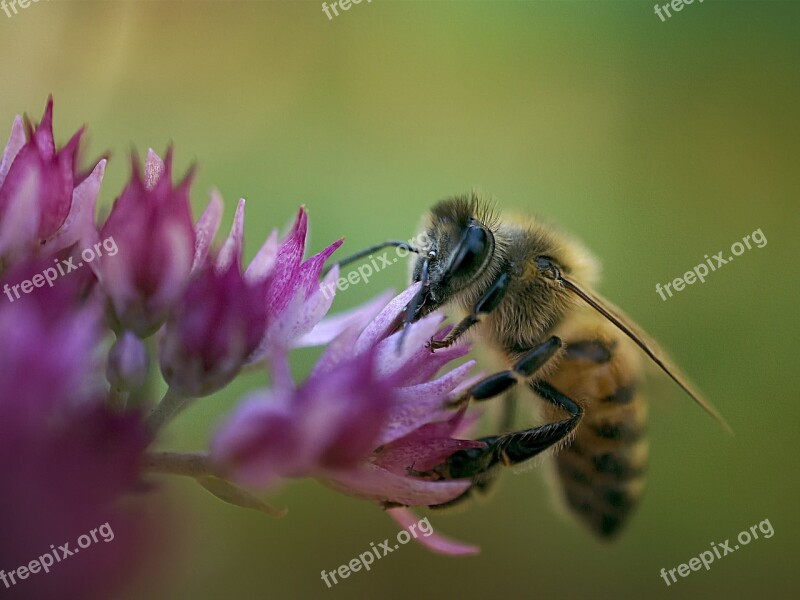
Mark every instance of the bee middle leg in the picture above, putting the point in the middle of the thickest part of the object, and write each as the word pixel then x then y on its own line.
pixel 522 371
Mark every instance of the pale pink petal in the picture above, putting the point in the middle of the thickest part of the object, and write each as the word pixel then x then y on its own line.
pixel 436 360
pixel 387 317
pixel 153 168
pixel 232 248
pixel 261 266
pixel 435 541
pixel 421 403
pixel 316 307
pixel 329 328
pixel 392 357
pixel 441 429
pixel 20 224
pixel 371 482
pixel 206 229
pixel 16 140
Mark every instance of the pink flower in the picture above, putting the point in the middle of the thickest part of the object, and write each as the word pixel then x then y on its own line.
pixel 46 205
pixel 65 457
pixel 217 324
pixel 75 376
pixel 294 299
pixel 365 420
pixel 151 225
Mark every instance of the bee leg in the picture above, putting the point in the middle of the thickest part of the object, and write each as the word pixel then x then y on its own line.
pixel 523 369
pixel 509 410
pixel 483 483
pixel 513 448
pixel 485 304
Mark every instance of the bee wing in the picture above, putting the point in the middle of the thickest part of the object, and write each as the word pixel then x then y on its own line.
pixel 625 324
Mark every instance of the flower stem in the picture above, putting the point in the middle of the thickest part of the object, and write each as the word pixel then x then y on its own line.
pixel 171 404
pixel 117 399
pixel 190 464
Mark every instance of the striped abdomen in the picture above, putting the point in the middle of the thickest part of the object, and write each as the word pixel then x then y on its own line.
pixel 601 470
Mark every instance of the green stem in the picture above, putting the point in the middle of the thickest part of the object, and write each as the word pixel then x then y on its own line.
pixel 171 404
pixel 118 399
pixel 189 464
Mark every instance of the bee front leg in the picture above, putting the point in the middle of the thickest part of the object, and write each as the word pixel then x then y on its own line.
pixel 485 304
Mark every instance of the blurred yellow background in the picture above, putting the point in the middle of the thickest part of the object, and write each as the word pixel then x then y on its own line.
pixel 654 142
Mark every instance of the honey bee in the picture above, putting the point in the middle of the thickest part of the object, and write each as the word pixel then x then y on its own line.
pixel 526 290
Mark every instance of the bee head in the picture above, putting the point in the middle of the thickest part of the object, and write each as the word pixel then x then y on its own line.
pixel 457 246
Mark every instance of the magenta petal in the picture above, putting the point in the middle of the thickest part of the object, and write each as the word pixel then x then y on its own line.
pixel 290 254
pixel 371 482
pixel 79 225
pixel 43 136
pixel 307 277
pixel 420 455
pixel 338 351
pixel 258 444
pixel 154 232
pixel 345 409
pixel 295 305
pixel 435 541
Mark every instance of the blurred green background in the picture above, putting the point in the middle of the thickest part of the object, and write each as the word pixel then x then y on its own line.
pixel 656 143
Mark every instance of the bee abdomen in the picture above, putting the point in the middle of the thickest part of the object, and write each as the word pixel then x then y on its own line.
pixel 601 471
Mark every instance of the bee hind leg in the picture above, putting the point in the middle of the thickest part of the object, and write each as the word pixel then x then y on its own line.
pixel 513 448
pixel 483 483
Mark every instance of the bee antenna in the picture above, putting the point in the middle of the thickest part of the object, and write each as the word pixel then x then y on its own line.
pixel 367 251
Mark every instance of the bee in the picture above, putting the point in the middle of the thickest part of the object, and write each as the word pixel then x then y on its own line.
pixel 526 291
